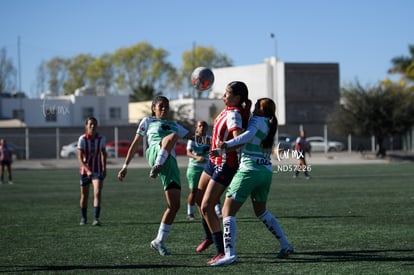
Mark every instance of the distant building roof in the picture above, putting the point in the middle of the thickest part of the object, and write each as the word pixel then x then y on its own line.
pixel 12 123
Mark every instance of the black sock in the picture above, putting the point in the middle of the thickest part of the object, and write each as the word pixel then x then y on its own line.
pixel 218 241
pixel 96 212
pixel 206 229
pixel 84 212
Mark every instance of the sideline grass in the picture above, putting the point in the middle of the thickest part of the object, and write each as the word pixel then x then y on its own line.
pixel 350 219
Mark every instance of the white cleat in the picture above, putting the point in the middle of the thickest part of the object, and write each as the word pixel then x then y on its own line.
pixel 225 260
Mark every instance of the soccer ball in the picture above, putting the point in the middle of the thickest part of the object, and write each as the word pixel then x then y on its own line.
pixel 202 78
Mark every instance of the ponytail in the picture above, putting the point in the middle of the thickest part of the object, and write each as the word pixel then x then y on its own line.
pixel 268 141
pixel 269 109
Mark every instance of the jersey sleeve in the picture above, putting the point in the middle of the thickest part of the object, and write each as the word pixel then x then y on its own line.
pixel 143 126
pixel 181 131
pixel 81 143
pixel 234 120
pixel 190 145
pixel 246 136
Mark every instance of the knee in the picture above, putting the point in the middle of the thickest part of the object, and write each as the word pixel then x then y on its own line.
pixel 174 207
pixel 83 199
pixel 205 208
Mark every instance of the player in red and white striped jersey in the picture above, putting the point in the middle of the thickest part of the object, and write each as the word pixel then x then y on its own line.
pixel 220 169
pixel 92 160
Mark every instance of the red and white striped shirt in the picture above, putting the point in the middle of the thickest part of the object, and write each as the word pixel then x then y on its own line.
pixel 92 149
pixel 226 122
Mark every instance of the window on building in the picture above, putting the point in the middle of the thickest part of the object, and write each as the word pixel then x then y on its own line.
pixel 115 113
pixel 50 115
pixel 19 114
pixel 87 112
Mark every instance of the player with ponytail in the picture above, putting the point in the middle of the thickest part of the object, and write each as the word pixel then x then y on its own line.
pixel 220 169
pixel 253 179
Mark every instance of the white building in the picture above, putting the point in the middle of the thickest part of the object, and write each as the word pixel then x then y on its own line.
pixel 304 94
pixel 61 111
pixel 262 80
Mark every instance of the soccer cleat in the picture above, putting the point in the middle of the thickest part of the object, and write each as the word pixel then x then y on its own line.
pixel 160 248
pixel 204 245
pixel 96 222
pixel 285 252
pixel 83 221
pixel 10 182
pixel 225 260
pixel 190 217
pixel 155 170
pixel 215 258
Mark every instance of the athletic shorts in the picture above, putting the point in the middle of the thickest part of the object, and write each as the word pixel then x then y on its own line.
pixel 85 180
pixel 220 174
pixel 193 176
pixel 253 183
pixel 6 162
pixel 170 173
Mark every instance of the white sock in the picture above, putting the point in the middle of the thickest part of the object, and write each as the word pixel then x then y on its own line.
pixel 190 209
pixel 163 232
pixel 229 235
pixel 217 208
pixel 274 227
pixel 161 157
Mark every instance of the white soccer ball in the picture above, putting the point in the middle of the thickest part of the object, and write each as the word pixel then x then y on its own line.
pixel 202 78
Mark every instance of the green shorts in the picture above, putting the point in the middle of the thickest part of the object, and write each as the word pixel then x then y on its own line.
pixel 193 176
pixel 255 184
pixel 170 173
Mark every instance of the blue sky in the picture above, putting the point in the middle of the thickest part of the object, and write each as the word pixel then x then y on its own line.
pixel 361 35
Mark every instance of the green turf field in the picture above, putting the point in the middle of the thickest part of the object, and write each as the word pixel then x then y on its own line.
pixel 349 219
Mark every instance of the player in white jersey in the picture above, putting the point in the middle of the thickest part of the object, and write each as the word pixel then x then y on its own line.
pixel 162 134
pixel 253 179
pixel 92 160
pixel 197 152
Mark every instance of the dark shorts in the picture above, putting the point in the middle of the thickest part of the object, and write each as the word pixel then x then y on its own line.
pixel 85 180
pixel 220 174
pixel 5 162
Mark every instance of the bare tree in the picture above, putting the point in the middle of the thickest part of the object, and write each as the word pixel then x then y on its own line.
pixel 7 73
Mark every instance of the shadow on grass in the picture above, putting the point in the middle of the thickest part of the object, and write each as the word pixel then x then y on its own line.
pixel 254 219
pixel 386 255
pixel 29 268
pixel 401 157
